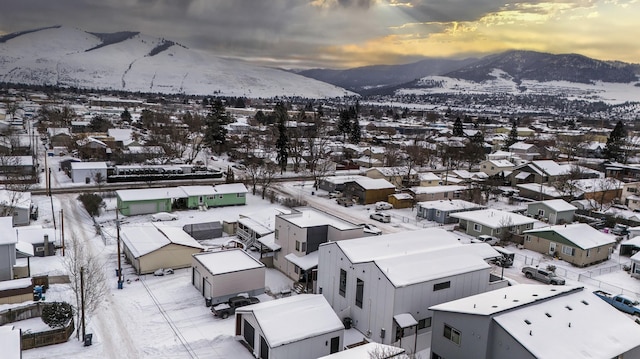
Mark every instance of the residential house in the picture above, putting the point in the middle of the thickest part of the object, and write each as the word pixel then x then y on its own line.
pixel 17 205
pixel 428 179
pixel 43 240
pixel 336 183
pixel 297 327
pixel 17 167
pixel 525 151
pixel 252 226
pixel 155 246
pixel 440 211
pixel 140 154
pixel 630 195
pixel 532 321
pixel 578 243
pixel 368 351
pixel 298 236
pixel 555 211
pixel 549 171
pixel 94 148
pixel 400 177
pixel 384 284
pixel 599 191
pixel 369 190
pixel 493 222
pixel 88 172
pixel 224 274
pixel 59 136
pixel 635 265
pixel 538 192
pixel 435 193
pixel 8 242
pixel 493 167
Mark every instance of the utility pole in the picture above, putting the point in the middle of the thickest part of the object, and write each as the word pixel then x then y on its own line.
pixel 119 255
pixel 62 229
pixel 82 298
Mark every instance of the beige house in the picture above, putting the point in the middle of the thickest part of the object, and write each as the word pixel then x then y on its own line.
pixel 395 175
pixel 578 244
pixel 428 179
pixel 155 246
pixel 493 167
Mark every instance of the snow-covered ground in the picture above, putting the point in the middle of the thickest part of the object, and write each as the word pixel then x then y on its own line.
pixel 166 317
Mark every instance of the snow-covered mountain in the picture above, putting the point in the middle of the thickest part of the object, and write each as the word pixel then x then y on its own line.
pixel 131 61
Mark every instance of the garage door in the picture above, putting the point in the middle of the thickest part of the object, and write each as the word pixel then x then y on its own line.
pixel 206 288
pixel 196 279
pixel 143 208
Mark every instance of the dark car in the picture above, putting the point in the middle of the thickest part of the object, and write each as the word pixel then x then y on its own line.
pixel 224 310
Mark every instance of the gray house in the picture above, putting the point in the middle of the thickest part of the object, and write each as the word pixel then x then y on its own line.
pixel 532 321
pixel 16 204
pixel 554 211
pixel 493 222
pixel 440 211
pixel 8 242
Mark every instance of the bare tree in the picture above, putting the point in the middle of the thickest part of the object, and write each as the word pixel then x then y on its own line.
pixel 268 174
pixel 95 283
pixel 393 156
pixel 605 192
pixel 506 227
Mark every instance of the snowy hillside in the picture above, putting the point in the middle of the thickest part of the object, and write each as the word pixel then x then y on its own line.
pixel 134 62
pixel 612 93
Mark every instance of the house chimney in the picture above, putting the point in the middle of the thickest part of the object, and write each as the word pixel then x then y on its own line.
pixel 46 245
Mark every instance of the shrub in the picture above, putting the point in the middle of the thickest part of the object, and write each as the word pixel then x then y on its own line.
pixel 91 202
pixel 57 314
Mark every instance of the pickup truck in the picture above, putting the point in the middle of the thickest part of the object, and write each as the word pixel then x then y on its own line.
pixel 542 275
pixel 224 310
pixel 620 302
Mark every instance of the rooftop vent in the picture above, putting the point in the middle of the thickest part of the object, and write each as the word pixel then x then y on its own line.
pixel 548 315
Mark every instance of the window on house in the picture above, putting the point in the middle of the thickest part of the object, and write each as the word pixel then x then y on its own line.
pixel 441 286
pixel 39 249
pixel 303 247
pixel 452 334
pixel 241 194
pixel 492 167
pixel 437 213
pixel 570 251
pixel 498 230
pixel 298 246
pixel 424 323
pixel 446 195
pixel 588 252
pixel 342 290
pixel 541 212
pixel 359 292
pixel 275 234
pixel 296 269
pixel 527 238
pixel 477 227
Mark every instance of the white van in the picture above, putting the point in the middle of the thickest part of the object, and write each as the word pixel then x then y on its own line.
pixel 381 217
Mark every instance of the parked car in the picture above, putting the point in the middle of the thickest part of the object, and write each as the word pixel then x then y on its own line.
pixel 371 229
pixel 542 275
pixel 381 217
pixel 164 216
pixel 620 302
pixel 162 271
pixel 343 201
pixel 224 310
pixel 488 239
pixel 383 206
pixel 620 230
pixel 335 194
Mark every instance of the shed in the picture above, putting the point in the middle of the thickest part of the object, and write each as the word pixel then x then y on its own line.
pixel 269 331
pixel 369 190
pixel 17 205
pixel 401 200
pixel 156 246
pixel 87 172
pixel 554 211
pixel 204 230
pixel 43 240
pixel 223 274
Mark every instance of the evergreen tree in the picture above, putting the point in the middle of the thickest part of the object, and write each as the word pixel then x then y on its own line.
pixel 614 149
pixel 125 116
pixel 215 134
pixel 355 134
pixel 282 143
pixel 513 136
pixel 457 128
pixel 344 123
pixel 57 314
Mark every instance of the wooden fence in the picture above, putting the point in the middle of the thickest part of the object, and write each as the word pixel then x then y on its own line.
pixel 36 340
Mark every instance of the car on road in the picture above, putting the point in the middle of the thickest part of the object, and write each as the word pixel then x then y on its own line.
pixel 542 275
pixel 224 310
pixel 383 205
pixel 371 229
pixel 163 216
pixel 381 217
pixel 343 201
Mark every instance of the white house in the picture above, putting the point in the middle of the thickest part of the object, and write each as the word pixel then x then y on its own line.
pixel 223 274
pixel 252 226
pixel 17 205
pixel 88 172
pixel 297 327
pixel 384 285
pixel 533 321
pixel 492 222
pixel 369 351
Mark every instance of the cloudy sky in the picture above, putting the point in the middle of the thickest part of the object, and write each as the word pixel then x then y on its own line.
pixel 350 33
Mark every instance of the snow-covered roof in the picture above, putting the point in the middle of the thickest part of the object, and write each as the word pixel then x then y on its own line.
pixel 9 161
pixel 580 234
pixel 558 205
pixel 501 163
pixel 227 261
pixel 15 284
pixel 305 217
pixel 546 190
pixel 262 222
pixel 572 331
pixel 450 205
pixel 597 184
pixel 150 194
pixel 228 188
pixel 393 171
pixel 428 176
pixel 305 262
pixel 521 146
pixel 401 196
pixel 494 218
pixel 374 183
pixel 6 228
pixel 436 189
pixel 88 165
pixel 142 240
pixel 15 199
pixel 275 318
pixel 24 248
pixel 192 191
pixel 35 234
pixel 342 179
